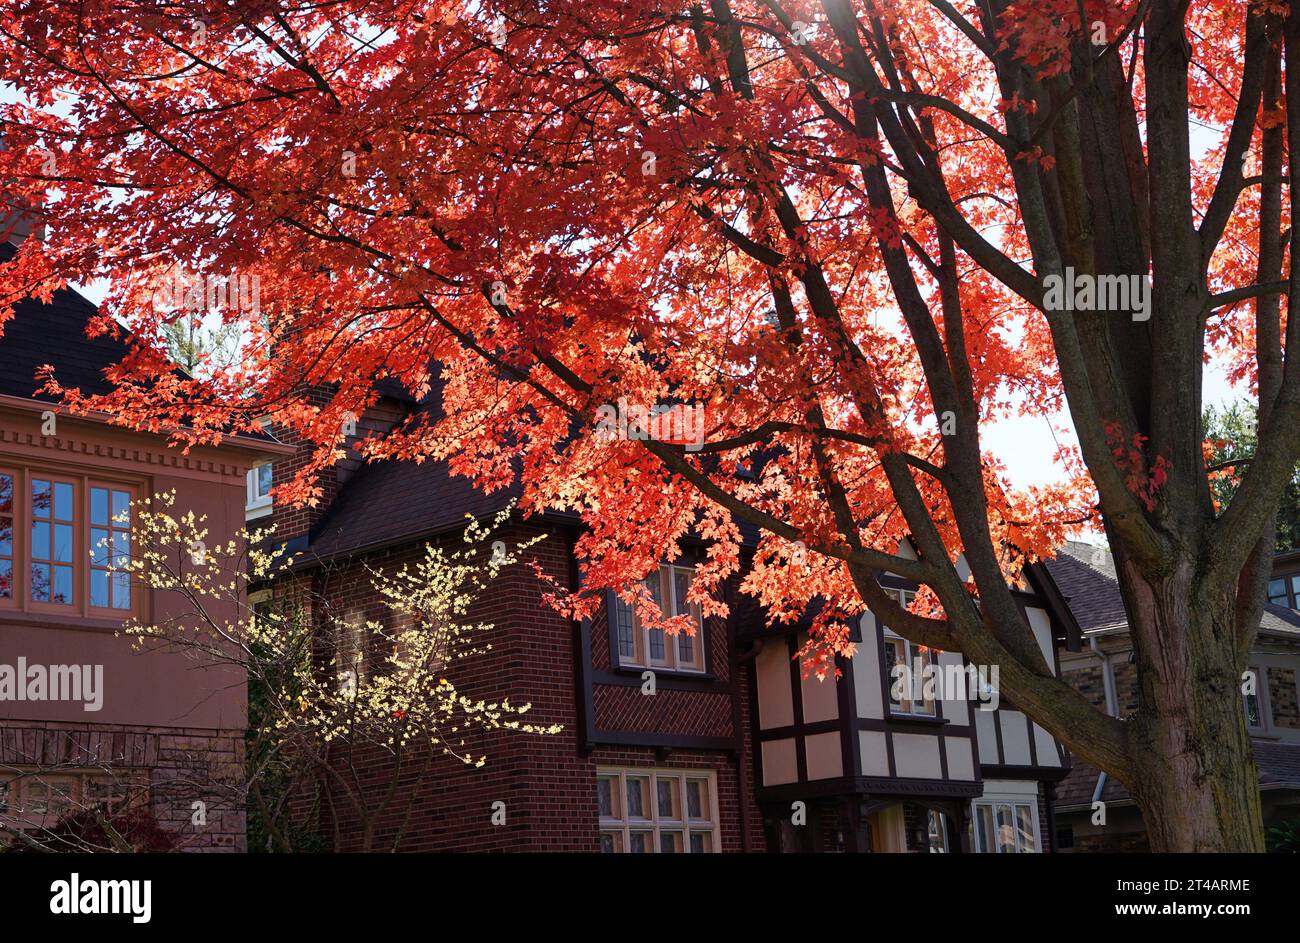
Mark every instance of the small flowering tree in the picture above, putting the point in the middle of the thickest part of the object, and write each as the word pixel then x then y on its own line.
pixel 325 690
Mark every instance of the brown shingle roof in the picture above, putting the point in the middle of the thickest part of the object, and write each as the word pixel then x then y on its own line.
pixel 1085 576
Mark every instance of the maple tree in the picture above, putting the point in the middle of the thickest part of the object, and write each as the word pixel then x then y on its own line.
pixel 827 223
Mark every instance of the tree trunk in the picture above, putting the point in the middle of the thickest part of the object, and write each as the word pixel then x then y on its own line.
pixel 1193 770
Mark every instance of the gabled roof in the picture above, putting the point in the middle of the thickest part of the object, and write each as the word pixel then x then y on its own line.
pixel 393 502
pixel 55 334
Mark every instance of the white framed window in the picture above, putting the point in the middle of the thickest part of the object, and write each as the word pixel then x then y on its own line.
pixel 903 698
pixel 258 501
pixel 1255 703
pixel 664 811
pixel 1004 826
pixel 640 647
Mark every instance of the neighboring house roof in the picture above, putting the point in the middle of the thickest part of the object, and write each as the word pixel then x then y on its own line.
pixel 1085 575
pixel 53 333
pixel 392 502
pixel 1279 768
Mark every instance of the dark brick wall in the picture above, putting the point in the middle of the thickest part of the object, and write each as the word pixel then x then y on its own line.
pixel 548 783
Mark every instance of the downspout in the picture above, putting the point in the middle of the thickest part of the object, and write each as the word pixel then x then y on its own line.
pixel 1108 685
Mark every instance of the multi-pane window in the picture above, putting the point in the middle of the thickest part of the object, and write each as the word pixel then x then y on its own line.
pixel 1004 827
pixel 110 547
pixel 53 532
pixel 6 536
pixel 39 800
pixel 907 690
pixel 65 544
pixel 644 811
pixel 643 647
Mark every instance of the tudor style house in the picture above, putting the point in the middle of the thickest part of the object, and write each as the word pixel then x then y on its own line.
pixel 1095 812
pixel 883 769
pixel 733 752
pixel 88 725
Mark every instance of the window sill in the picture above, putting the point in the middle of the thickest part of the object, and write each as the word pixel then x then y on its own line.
pixel 635 671
pixel 254 511
pixel 53 620
pixel 918 718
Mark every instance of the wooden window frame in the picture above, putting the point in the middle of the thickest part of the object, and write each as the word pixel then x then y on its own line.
pixel 255 504
pixel 18 808
pixel 618 610
pixel 112 526
pixel 14 556
pixel 77 605
pixel 620 826
pixel 82 482
pixel 891 638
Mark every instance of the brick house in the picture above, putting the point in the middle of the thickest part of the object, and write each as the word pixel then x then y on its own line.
pixel 156 730
pixel 733 752
pixel 1102 670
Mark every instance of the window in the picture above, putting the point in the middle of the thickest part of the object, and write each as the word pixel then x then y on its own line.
pixel 644 811
pixel 1004 827
pixel 65 544
pixel 903 698
pixel 640 647
pixel 38 800
pixel 1253 701
pixel 52 540
pixel 110 547
pixel 350 654
pixel 259 490
pixel 6 536
pixel 1285 591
